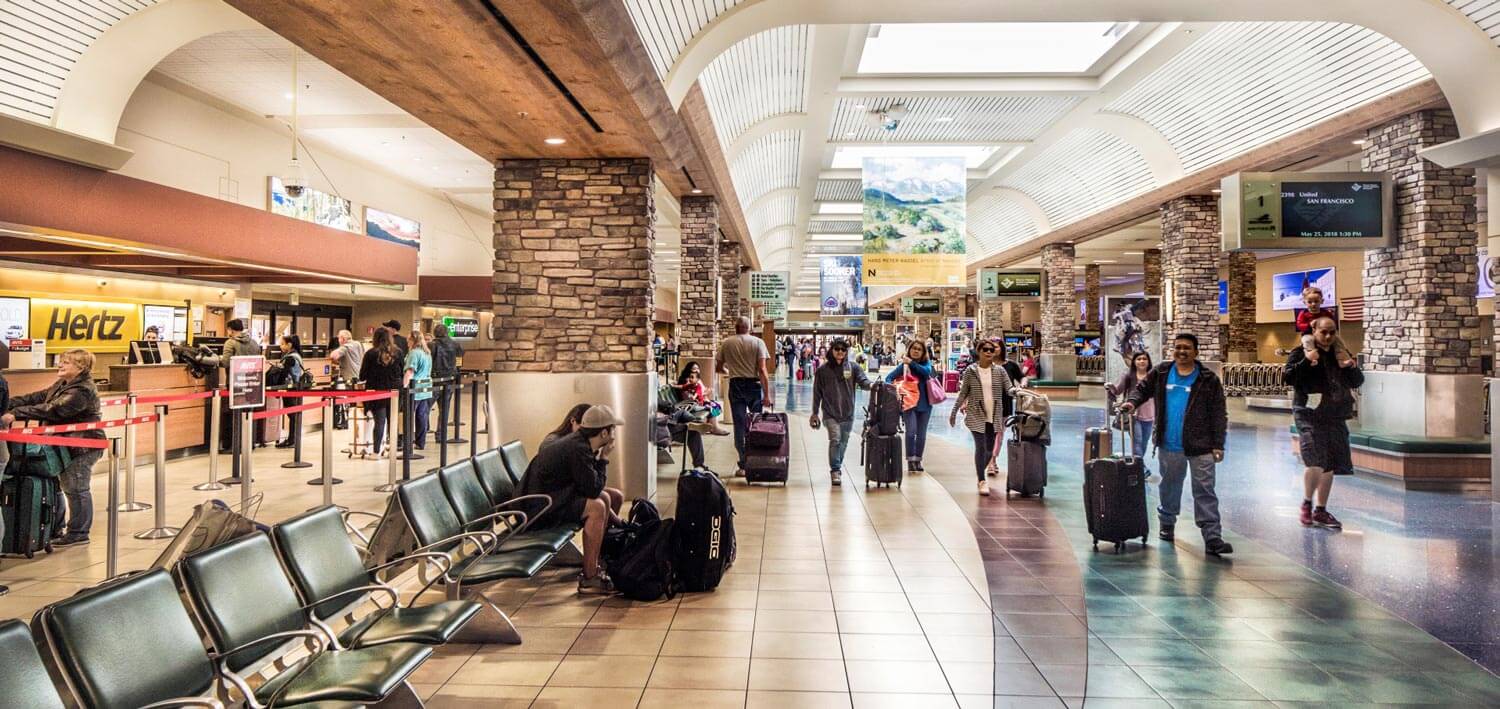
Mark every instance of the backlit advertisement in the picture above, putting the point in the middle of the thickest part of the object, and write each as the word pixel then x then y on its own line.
pixel 842 289
pixel 913 216
pixel 1286 288
pixel 15 319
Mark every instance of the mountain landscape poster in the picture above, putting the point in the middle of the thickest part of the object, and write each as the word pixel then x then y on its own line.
pixel 914 212
pixel 393 228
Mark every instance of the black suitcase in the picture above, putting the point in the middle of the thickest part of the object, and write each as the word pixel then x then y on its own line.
pixel 883 412
pixel 1026 467
pixel 31 507
pixel 881 457
pixel 767 450
pixel 1114 497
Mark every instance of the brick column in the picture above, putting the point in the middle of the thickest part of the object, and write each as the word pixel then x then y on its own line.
pixel 1190 259
pixel 572 292
pixel 1059 314
pixel 1242 345
pixel 992 318
pixel 697 332
pixel 1013 317
pixel 729 286
pixel 1151 267
pixel 1092 316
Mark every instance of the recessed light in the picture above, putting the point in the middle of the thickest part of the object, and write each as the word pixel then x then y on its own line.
pixel 417 159
pixel 1216 191
pixel 1361 141
pixel 697 191
pixel 1134 273
pixel 1133 253
pixel 554 141
pixel 287 95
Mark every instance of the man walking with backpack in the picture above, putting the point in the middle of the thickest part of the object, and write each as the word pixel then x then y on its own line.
pixel 834 385
pixel 1191 424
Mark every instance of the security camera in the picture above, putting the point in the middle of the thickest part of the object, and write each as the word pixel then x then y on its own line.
pixel 294 187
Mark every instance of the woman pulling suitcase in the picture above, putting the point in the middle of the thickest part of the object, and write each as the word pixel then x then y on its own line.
pixel 981 396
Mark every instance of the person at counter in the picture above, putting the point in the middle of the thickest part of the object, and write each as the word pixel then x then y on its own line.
pixel 71 399
pixel 4 455
pixel 445 354
pixel 153 334
pixel 348 355
pixel 291 364
pixel 418 377
pixel 394 328
pixel 239 344
pixel 381 370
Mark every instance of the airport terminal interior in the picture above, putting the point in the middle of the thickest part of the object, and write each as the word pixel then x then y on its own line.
pixel 749 353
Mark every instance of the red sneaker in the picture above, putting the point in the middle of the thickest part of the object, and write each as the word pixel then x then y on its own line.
pixel 1322 518
pixel 1307 514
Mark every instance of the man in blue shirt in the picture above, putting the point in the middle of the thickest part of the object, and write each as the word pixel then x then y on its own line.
pixel 1190 430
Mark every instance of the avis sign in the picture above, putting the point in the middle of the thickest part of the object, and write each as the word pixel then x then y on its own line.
pixel 90 325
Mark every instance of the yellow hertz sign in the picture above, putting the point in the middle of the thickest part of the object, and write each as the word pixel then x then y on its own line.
pixel 86 324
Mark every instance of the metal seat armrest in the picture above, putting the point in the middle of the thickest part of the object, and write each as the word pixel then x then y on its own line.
pixel 321 638
pixel 395 597
pixel 209 702
pixel 460 537
pixel 533 496
pixel 443 562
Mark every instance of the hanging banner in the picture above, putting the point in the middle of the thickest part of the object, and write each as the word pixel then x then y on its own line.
pixel 908 305
pixel 843 292
pixel 770 286
pixel 914 213
pixel 960 341
pixel 1131 325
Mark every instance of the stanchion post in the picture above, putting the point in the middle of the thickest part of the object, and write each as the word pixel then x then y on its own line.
pixel 457 408
pixel 390 446
pixel 408 424
pixel 130 504
pixel 112 545
pixel 247 473
pixel 328 480
pixel 214 406
pixel 473 417
pixel 160 530
pixel 442 443
pixel 295 421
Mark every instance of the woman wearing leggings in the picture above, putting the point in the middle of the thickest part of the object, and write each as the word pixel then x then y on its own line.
pixel 981 396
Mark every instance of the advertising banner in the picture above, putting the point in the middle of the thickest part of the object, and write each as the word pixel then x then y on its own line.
pixel 393 228
pixel 1131 325
pixel 908 306
pixel 960 341
pixel 1489 271
pixel 995 284
pixel 312 206
pixel 914 214
pixel 769 286
pixel 843 292
pixel 247 382
pixel 1286 288
pixel 15 319
pixel 92 325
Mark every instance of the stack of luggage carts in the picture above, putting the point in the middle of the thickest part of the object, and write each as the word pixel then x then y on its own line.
pixel 1030 431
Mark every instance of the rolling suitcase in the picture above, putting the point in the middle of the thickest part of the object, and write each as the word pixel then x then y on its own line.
pixel 1097 443
pixel 1026 468
pixel 31 507
pixel 767 449
pixel 1114 496
pixel 881 457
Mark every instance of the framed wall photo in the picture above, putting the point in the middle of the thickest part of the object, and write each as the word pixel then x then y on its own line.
pixel 393 228
pixel 1286 288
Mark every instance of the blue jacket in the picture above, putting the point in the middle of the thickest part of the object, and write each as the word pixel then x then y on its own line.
pixel 922 371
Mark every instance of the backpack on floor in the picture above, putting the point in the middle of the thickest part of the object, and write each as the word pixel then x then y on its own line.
pixel 704 545
pixel 643 572
pixel 618 538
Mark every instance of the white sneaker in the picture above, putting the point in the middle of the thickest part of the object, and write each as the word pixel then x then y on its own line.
pixel 992 471
pixel 984 488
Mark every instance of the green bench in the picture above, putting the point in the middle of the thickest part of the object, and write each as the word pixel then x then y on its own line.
pixel 1419 462
pixel 1415 445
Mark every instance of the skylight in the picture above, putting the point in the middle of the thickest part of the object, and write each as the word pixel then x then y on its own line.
pixel 989 48
pixel 840 207
pixel 852 156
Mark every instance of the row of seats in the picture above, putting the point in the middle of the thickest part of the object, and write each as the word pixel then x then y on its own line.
pixel 224 623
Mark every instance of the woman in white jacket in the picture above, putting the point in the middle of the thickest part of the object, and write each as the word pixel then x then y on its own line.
pixel 981 396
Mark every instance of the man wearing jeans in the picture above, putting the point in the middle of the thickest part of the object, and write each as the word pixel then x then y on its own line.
pixel 743 357
pixel 1190 430
pixel 833 393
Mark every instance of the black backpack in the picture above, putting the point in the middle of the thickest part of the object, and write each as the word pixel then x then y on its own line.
pixel 620 537
pixel 643 571
pixel 883 416
pixel 704 544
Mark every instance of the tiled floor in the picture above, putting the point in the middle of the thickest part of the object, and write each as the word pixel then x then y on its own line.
pixel 925 595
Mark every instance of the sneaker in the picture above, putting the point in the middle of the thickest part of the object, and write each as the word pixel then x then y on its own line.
pixel 984 488
pixel 1307 514
pixel 1218 547
pixel 838 477
pixel 599 585
pixel 920 469
pixel 71 540
pixel 4 589
pixel 1322 518
pixel 992 471
pixel 1167 534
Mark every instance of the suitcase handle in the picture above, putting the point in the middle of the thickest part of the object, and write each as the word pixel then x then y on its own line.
pixel 1127 427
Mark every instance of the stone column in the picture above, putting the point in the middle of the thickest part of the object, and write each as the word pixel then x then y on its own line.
pixel 1059 314
pixel 1421 319
pixel 1014 318
pixel 992 318
pixel 1242 345
pixel 573 289
pixel 729 286
pixel 697 331
pixel 1190 259
pixel 1151 267
pixel 1092 316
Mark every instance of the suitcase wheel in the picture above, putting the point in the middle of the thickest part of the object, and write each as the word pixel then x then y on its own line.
pixel 1096 544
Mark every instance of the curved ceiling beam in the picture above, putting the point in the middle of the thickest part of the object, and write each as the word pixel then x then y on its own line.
pixel 773 244
pixel 1154 147
pixel 770 194
pixel 1032 208
pixel 763 128
pixel 1460 56
pixel 105 77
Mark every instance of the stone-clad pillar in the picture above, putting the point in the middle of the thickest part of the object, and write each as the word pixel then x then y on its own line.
pixel 1421 319
pixel 1014 318
pixel 572 298
pixel 1092 316
pixel 729 286
pixel 1059 314
pixel 1242 345
pixel 1190 260
pixel 1151 267
pixel 991 318
pixel 697 331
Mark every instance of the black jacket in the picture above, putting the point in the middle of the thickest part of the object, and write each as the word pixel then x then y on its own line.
pixel 376 375
pixel 833 390
pixel 1336 384
pixel 1206 421
pixel 76 401
pixel 4 394
pixel 445 354
pixel 570 473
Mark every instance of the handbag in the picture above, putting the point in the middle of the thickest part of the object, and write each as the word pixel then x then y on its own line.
pixel 936 393
pixel 910 394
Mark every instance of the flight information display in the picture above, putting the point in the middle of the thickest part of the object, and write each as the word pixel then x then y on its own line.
pixel 1318 210
pixel 1307 210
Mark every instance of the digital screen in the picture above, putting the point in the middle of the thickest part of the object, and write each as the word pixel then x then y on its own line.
pixel 1004 284
pixel 1315 210
pixel 1287 288
pixel 885 316
pixel 1087 343
pixel 1223 297
pixel 926 306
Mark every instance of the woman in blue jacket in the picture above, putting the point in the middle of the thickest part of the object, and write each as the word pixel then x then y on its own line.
pixel 915 419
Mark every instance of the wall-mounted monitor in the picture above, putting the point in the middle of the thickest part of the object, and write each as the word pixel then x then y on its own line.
pixel 1087 343
pixel 998 284
pixel 885 316
pixel 1223 297
pixel 926 306
pixel 1307 210
pixel 1286 288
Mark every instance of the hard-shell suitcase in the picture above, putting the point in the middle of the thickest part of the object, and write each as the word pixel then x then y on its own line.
pixel 1114 496
pixel 31 507
pixel 766 453
pixel 881 456
pixel 1026 467
pixel 1097 443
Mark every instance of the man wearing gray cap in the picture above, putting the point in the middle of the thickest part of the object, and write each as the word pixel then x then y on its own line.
pixel 572 472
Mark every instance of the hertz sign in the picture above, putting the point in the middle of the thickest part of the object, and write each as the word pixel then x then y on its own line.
pixel 91 325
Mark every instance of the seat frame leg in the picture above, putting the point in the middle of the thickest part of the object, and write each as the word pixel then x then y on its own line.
pixel 570 555
pixel 490 625
pixel 402 697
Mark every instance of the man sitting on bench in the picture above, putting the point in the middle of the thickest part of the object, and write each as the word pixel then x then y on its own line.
pixel 572 472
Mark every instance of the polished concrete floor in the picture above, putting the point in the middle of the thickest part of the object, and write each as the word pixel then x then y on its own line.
pixel 929 595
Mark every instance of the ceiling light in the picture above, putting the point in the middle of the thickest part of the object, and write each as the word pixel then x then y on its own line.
pixel 554 141
pixel 1134 273
pixel 697 191
pixel 860 107
pixel 849 134
pixel 1216 190
pixel 287 96
pixel 1102 260
pixel 1361 141
pixel 1133 253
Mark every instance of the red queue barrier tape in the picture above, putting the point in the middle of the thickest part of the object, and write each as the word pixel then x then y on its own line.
pixel 170 398
pixel 94 426
pixel 23 437
pixel 270 413
pixel 114 402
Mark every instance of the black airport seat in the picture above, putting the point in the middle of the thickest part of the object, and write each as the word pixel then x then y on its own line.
pixel 333 582
pixel 437 527
pixel 492 471
pixel 129 644
pixel 22 674
pixel 516 460
pixel 253 617
pixel 478 510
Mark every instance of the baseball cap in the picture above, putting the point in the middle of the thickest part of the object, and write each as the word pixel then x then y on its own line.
pixel 600 416
pixel 392 324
